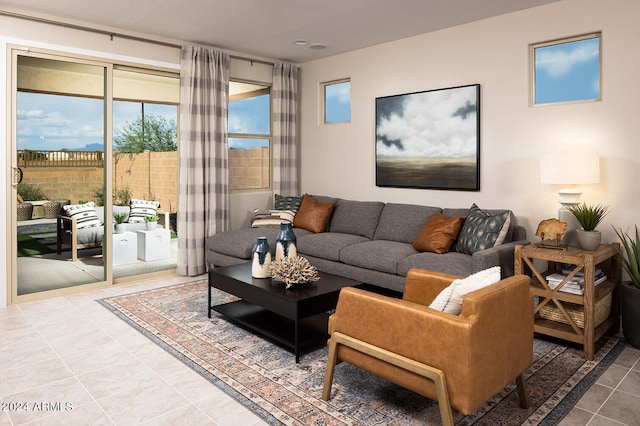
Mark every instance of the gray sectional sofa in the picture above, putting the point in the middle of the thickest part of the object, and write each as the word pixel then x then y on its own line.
pixel 371 242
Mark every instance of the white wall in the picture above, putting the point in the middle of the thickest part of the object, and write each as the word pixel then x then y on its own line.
pixel 339 159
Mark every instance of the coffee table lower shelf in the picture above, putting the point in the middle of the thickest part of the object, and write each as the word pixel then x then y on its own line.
pixel 312 331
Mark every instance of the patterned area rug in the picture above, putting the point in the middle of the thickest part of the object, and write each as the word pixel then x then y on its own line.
pixel 266 379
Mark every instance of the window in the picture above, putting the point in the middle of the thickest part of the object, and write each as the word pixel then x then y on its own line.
pixel 249 129
pixel 566 70
pixel 337 101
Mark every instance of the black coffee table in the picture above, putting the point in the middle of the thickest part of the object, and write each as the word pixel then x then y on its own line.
pixel 294 318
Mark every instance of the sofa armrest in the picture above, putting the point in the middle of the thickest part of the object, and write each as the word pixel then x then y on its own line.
pixel 502 255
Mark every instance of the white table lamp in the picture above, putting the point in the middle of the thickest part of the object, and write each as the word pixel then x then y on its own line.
pixel 569 168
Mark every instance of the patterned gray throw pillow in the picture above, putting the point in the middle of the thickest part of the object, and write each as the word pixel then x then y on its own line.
pixel 287 203
pixel 482 230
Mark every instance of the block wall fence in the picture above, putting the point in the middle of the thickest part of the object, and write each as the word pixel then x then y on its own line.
pixel 148 176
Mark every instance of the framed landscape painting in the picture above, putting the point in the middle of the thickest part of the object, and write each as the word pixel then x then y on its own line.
pixel 429 139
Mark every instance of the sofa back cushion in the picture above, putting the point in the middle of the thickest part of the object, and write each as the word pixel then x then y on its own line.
pixel 403 222
pixel 356 217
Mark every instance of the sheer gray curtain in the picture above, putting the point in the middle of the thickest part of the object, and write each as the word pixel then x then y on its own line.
pixel 284 97
pixel 204 175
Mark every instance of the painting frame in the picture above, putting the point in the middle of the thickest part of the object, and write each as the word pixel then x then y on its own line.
pixel 429 139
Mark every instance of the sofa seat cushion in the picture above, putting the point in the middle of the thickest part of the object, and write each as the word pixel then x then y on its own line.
pixel 356 217
pixel 378 255
pixel 453 263
pixel 326 245
pixel 240 242
pixel 403 222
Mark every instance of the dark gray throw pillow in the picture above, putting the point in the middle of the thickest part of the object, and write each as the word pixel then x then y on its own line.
pixel 282 202
pixel 482 230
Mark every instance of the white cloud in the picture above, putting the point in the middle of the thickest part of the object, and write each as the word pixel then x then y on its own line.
pixel 429 128
pixel 339 92
pixel 558 61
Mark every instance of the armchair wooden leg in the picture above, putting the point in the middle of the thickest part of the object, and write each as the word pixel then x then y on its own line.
pixel 522 392
pixel 435 375
pixel 331 366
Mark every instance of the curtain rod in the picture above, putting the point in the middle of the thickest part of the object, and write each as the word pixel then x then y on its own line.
pixel 113 34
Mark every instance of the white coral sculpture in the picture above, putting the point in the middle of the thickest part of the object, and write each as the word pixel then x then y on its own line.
pixel 293 270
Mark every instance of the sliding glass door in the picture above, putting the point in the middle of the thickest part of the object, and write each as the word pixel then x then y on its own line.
pixel 60 163
pixel 88 140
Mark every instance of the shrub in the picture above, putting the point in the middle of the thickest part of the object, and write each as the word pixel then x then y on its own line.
pixel 30 192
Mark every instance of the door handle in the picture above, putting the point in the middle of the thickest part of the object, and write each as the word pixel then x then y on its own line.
pixel 18 175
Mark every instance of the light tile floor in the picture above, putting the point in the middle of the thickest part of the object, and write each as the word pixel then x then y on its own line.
pixel 69 361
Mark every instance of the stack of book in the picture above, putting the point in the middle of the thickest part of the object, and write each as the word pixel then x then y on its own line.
pixel 576 284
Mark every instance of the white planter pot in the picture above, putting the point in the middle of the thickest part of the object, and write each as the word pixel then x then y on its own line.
pixel 151 226
pixel 120 228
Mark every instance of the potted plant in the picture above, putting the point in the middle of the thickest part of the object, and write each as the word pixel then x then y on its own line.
pixel 630 290
pixel 151 221
pixel 589 217
pixel 120 218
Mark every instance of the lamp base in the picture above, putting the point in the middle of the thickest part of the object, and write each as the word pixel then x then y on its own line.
pixel 570 196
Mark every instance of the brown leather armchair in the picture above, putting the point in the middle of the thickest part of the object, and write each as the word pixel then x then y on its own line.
pixel 460 361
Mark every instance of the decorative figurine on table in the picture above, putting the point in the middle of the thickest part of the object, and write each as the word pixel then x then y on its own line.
pixel 551 232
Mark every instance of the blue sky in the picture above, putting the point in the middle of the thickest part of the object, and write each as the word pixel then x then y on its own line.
pixel 567 72
pixel 250 115
pixel 52 122
pixel 338 102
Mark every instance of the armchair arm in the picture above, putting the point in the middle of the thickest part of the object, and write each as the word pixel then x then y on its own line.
pixel 64 224
pixel 422 286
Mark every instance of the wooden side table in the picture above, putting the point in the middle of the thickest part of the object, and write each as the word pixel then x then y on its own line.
pixel 607 258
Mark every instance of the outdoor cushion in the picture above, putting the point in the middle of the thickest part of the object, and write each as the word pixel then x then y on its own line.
pixel 84 215
pixel 142 208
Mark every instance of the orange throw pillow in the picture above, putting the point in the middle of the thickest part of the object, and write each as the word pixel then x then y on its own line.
pixel 313 216
pixel 439 233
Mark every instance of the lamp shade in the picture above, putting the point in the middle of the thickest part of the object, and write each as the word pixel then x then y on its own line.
pixel 570 168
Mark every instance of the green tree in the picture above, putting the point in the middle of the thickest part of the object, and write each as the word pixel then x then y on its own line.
pixel 154 133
